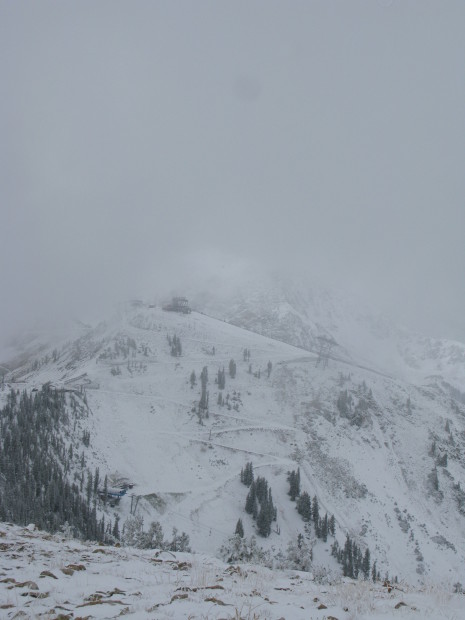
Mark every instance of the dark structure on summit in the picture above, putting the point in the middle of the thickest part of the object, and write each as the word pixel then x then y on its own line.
pixel 178 304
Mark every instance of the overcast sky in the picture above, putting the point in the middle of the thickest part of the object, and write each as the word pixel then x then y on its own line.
pixel 141 139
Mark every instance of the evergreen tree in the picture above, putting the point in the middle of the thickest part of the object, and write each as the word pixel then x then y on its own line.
pixel 250 499
pixel 173 546
pixel 324 528
pixel 96 481
pixel 299 555
pixel 249 478
pixel 255 509
pixel 347 562
pixel 89 486
pixel 247 475
pixel 356 560
pixel 176 347
pixel 344 403
pixel 316 516
pixel 273 511
pixel 239 529
pixel 332 525
pixel 261 488
pixel 335 551
pixel 293 478
pixel 221 379
pixel 105 490
pixel 366 564
pixel 184 543
pixel 115 531
pixel 304 506
pixel 264 520
pixel 203 403
pixel 154 537
pixel 232 369
pixel 204 376
pixel 268 368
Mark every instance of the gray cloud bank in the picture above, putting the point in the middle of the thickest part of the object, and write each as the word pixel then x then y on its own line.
pixel 143 139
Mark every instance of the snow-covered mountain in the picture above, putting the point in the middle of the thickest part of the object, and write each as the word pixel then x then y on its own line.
pixel 299 311
pixel 377 430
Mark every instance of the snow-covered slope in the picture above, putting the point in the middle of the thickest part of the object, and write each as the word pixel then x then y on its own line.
pixel 371 463
pixel 53 577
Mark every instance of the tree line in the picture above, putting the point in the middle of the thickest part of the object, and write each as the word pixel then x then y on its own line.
pixel 36 465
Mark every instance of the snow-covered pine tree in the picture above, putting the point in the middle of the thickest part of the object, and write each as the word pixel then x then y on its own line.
pixel 304 506
pixel 232 368
pixel 316 515
pixel 366 564
pixel 247 475
pixel 293 478
pixel 250 499
pixel 239 529
pixel 324 528
pixel 332 525
pixel 193 379
pixel 264 520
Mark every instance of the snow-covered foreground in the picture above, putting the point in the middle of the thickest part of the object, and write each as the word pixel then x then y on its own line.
pixel 45 576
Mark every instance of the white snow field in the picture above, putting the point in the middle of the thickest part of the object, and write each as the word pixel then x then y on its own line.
pixel 45 576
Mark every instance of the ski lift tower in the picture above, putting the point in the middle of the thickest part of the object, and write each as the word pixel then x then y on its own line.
pixel 325 345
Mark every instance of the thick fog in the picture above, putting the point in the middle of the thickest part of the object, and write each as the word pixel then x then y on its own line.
pixel 143 142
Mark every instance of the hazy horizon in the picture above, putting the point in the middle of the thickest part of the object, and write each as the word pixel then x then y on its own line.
pixel 146 142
